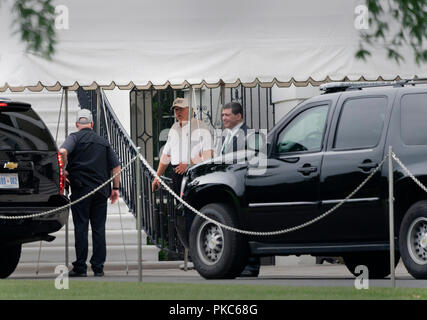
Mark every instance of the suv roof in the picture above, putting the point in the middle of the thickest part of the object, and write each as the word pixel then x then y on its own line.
pixel 333 87
pixel 8 105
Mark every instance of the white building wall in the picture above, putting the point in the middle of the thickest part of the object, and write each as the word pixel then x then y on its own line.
pixel 286 99
pixel 120 102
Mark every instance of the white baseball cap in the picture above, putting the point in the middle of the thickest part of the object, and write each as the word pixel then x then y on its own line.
pixel 84 113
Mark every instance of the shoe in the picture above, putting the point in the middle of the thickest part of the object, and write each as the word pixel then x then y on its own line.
pixel 74 274
pixel 249 273
pixel 98 274
pixel 252 268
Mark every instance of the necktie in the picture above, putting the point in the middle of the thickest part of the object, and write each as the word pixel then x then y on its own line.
pixel 226 141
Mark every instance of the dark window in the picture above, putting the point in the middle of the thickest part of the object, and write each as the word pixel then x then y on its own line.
pixel 22 131
pixel 361 123
pixel 304 132
pixel 414 118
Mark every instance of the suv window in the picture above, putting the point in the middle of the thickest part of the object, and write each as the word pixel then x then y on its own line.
pixel 304 132
pixel 24 131
pixel 414 118
pixel 361 123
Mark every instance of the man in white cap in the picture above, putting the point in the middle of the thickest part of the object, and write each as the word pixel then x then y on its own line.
pixel 90 161
pixel 175 151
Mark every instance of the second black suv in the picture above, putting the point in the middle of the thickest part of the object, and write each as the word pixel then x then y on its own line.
pixel 31 181
pixel 316 156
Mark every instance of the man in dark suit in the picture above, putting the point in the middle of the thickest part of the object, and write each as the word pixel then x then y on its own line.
pixel 233 140
pixel 234 137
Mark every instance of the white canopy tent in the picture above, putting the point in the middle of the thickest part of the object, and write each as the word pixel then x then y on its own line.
pixel 132 43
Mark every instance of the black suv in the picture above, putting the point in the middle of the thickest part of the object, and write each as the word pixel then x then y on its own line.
pixel 31 181
pixel 316 156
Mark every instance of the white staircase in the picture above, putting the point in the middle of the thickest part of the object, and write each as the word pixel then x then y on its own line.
pixel 121 233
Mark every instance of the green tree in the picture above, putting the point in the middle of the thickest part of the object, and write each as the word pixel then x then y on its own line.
pixel 34 21
pixel 410 17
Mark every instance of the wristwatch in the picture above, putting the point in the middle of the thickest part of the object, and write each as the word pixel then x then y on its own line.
pixel 115 188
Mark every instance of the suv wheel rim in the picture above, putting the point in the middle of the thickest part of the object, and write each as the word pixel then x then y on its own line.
pixel 417 241
pixel 210 243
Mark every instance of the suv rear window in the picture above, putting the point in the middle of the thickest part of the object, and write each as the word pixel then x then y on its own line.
pixel 24 131
pixel 414 119
pixel 361 123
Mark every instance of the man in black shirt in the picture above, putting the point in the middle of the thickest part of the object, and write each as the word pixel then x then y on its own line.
pixel 90 162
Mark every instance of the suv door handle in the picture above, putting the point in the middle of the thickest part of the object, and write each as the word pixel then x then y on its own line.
pixel 307 169
pixel 367 166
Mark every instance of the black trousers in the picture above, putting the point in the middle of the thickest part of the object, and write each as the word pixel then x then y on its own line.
pixel 176 181
pixel 93 210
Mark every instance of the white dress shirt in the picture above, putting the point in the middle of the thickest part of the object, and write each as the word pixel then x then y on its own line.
pixel 229 136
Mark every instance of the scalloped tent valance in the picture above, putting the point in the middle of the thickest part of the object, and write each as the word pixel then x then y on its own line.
pixel 146 43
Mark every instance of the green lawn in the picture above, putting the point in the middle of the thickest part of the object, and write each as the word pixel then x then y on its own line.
pixel 83 290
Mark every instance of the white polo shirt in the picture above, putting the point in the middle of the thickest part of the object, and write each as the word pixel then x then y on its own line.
pixel 177 144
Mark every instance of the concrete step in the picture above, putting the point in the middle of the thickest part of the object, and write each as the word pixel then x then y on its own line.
pixel 114 254
pixel 48 104
pixel 61 131
pixel 53 110
pixel 51 119
pixel 113 237
pixel 114 222
pixel 119 207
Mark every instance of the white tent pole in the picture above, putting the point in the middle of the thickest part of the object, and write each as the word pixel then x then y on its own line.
pixel 138 214
pixel 66 135
pixel 190 116
pixel 98 110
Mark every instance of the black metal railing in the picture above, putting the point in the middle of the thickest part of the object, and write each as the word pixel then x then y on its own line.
pixel 157 207
pixel 150 114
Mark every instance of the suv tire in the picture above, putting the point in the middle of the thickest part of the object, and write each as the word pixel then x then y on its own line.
pixel 377 262
pixel 217 253
pixel 413 240
pixel 9 258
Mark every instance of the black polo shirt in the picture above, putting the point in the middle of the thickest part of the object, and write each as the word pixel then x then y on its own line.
pixel 90 161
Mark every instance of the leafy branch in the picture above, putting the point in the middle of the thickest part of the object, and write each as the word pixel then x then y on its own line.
pixel 35 22
pixel 411 18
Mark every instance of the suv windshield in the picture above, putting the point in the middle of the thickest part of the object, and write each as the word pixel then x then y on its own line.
pixel 24 131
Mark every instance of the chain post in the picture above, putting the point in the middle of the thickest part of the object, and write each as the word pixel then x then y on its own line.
pixel 138 214
pixel 67 229
pixel 391 214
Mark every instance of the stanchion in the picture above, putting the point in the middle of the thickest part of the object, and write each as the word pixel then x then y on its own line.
pixel 67 230
pixel 138 214
pixel 185 259
pixel 391 215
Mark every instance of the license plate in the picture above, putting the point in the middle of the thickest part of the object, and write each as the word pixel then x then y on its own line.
pixel 9 181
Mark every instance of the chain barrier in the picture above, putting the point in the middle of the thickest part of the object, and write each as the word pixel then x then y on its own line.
pixel 255 233
pixel 45 213
pixel 252 233
pixel 418 182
